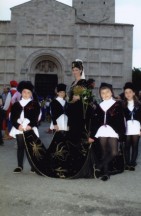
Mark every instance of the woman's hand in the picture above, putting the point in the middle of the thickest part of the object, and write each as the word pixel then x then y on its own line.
pixel 90 140
pixel 75 98
pixel 56 127
pixel 28 128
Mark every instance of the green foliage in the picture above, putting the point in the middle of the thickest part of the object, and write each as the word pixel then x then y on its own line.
pixel 136 78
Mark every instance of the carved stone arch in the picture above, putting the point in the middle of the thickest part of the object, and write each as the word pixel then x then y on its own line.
pixel 29 67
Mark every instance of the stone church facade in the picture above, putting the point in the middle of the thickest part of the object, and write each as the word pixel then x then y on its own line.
pixel 45 36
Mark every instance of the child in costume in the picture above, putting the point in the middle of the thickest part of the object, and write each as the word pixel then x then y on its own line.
pixel 132 113
pixel 107 125
pixel 24 116
pixel 58 110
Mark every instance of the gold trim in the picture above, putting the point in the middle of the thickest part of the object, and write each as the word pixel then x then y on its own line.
pixel 34 166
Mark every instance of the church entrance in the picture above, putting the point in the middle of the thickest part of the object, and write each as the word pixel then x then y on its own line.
pixel 46 76
pixel 45 84
pixel 45 68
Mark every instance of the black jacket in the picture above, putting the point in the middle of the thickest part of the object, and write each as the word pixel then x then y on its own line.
pixel 31 112
pixel 57 110
pixel 135 114
pixel 114 118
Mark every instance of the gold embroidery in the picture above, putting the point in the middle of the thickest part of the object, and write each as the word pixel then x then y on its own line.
pixel 37 149
pixel 61 152
pixel 60 172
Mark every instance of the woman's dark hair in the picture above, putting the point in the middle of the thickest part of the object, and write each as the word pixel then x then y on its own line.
pixel 78 64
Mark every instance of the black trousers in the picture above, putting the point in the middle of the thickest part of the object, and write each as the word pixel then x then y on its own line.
pixel 20 150
pixel 1 138
pixel 131 149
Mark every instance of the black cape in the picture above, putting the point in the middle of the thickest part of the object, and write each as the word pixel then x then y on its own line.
pixel 62 159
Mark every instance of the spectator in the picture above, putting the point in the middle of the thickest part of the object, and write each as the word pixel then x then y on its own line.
pixel 7 107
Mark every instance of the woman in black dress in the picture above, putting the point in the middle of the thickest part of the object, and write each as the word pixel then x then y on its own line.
pixel 68 155
pixel 79 100
pixel 76 109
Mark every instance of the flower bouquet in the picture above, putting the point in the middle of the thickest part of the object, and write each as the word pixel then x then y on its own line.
pixel 84 93
pixel 85 96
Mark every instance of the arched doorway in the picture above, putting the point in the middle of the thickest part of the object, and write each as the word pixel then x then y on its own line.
pixel 45 68
pixel 45 85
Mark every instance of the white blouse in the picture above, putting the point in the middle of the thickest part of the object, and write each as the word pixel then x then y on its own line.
pixel 23 121
pixel 62 120
pixel 106 130
pixel 132 126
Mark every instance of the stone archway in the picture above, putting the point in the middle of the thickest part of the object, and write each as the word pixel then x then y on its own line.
pixel 45 61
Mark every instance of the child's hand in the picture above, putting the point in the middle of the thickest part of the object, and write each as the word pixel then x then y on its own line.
pixel 56 127
pixel 90 140
pixel 20 128
pixel 28 128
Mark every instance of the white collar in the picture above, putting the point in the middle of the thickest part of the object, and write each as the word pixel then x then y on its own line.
pixel 61 100
pixel 130 105
pixel 106 104
pixel 131 102
pixel 24 102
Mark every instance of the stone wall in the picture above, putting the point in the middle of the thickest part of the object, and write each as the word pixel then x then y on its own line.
pixel 95 11
pixel 48 30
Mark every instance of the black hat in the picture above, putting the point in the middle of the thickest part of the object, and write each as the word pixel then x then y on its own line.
pixel 129 85
pixel 61 87
pixel 77 64
pixel 106 85
pixel 90 81
pixel 25 85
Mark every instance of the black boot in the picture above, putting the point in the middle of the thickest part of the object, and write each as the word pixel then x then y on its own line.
pixel 105 177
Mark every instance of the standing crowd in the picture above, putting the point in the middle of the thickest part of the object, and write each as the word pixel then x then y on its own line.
pixel 91 139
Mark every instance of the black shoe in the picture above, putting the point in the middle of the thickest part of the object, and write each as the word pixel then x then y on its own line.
pixel 127 167
pixel 105 178
pixel 1 142
pixel 18 170
pixel 132 168
pixel 32 171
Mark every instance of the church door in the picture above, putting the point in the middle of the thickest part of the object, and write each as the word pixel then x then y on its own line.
pixel 45 84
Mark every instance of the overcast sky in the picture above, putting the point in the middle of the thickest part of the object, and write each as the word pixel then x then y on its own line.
pixel 127 11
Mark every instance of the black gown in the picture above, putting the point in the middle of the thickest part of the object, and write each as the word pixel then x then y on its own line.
pixel 69 154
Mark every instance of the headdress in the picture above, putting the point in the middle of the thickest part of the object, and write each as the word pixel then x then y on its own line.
pixel 129 85
pixel 61 87
pixel 106 85
pixel 25 85
pixel 13 83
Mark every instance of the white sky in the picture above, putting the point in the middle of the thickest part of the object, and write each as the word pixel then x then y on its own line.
pixel 127 11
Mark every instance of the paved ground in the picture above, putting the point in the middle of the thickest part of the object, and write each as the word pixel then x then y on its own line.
pixel 28 194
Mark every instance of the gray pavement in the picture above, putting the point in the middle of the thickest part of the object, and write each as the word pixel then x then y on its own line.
pixel 28 194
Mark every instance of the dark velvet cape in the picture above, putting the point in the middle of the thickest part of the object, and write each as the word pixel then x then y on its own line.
pixel 69 154
pixel 63 159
